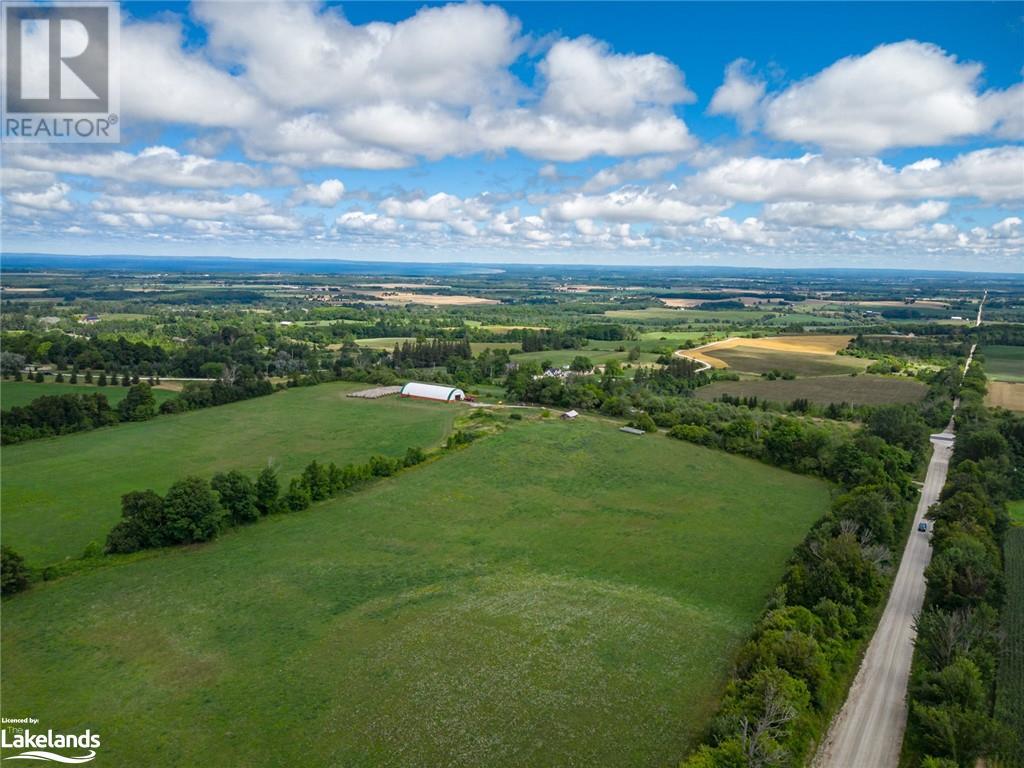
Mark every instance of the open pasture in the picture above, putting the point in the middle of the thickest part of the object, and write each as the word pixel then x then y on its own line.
pixel 14 393
pixel 558 594
pixel 61 493
pixel 856 390
pixel 560 357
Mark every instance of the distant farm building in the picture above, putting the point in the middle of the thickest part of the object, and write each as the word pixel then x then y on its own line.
pixel 432 392
pixel 570 415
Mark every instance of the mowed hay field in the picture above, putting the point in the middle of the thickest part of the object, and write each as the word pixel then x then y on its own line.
pixel 863 389
pixel 1004 363
pixel 1005 394
pixel 61 493
pixel 558 594
pixel 14 393
pixel 800 355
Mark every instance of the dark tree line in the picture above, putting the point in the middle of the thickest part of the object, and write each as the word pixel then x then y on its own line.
pixel 423 353
pixel 52 415
pixel 56 415
pixel 194 510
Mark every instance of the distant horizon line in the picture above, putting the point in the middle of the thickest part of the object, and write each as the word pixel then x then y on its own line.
pixel 491 264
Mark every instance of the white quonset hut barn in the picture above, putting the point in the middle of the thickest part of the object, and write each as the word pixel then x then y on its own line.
pixel 432 392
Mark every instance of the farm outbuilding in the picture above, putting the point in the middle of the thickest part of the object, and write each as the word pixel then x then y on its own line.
pixel 432 392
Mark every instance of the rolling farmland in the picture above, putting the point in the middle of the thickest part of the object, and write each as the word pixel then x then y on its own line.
pixel 55 502
pixel 1004 363
pixel 607 588
pixel 863 389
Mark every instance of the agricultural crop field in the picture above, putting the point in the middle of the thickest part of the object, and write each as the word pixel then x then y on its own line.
pixel 55 501
pixel 560 593
pixel 1010 683
pixel 1004 363
pixel 530 591
pixel 15 393
pixel 863 389
pixel 1005 394
pixel 764 316
pixel 386 342
pixel 764 355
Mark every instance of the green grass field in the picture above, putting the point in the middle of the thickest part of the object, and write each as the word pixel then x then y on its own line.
pixel 1010 681
pixel 856 390
pixel 61 493
pixel 670 337
pixel 1016 510
pixel 751 359
pixel 565 356
pixel 13 393
pixel 682 316
pixel 558 594
pixel 1004 363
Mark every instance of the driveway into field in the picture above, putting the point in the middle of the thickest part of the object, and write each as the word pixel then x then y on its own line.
pixel 704 365
pixel 868 732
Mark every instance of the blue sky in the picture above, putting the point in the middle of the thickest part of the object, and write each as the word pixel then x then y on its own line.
pixel 765 134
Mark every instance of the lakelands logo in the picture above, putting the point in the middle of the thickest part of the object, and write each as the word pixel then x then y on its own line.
pixel 62 72
pixel 76 748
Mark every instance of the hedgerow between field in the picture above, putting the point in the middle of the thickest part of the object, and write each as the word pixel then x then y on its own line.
pixel 194 510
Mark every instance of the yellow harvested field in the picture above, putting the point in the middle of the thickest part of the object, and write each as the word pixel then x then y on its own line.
pixel 1005 394
pixel 682 303
pixel 814 345
pixel 747 301
pixel 435 299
